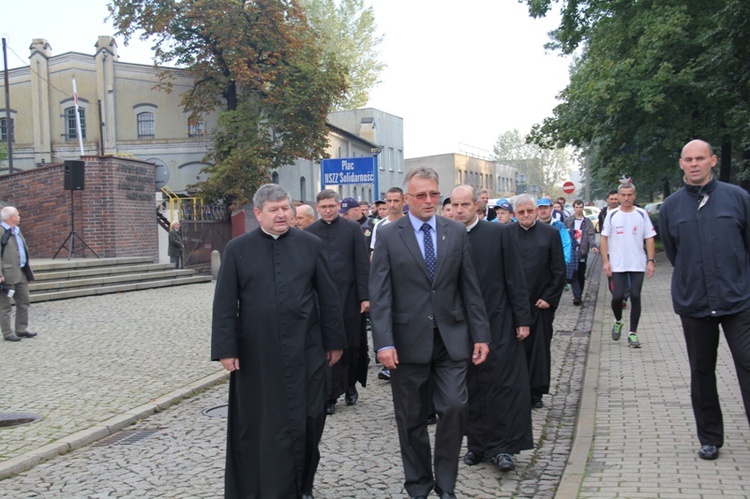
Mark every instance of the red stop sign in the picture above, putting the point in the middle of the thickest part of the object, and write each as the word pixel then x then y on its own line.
pixel 569 187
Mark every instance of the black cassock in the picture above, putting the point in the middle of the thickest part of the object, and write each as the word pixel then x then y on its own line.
pixel 499 400
pixel 544 266
pixel 349 257
pixel 265 313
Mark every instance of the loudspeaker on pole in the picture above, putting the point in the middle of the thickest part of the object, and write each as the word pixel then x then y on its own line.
pixel 74 170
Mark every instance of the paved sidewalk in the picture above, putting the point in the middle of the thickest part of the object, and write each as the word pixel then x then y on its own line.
pixel 636 433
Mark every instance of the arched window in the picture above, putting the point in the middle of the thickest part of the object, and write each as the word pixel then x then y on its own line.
pixel 146 125
pixel 70 123
pixel 275 177
pixel 302 188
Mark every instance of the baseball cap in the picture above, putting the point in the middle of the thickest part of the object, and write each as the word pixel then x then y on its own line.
pixel 380 201
pixel 347 204
pixel 504 204
pixel 544 202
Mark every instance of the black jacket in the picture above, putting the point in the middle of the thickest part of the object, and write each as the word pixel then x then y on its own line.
pixel 707 239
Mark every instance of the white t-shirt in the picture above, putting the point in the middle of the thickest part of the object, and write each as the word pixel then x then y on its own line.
pixel 385 221
pixel 626 233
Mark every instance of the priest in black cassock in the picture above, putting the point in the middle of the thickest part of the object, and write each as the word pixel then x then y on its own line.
pixel 544 266
pixel 277 324
pixel 349 257
pixel 499 423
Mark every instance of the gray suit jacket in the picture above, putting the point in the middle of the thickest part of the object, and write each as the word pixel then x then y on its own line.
pixel 406 306
pixel 11 260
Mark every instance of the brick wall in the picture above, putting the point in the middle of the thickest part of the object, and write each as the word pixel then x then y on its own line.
pixel 115 214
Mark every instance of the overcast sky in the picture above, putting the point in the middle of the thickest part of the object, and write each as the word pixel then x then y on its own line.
pixel 459 73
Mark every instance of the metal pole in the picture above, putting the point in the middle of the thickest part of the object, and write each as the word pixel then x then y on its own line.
pixel 101 130
pixel 78 117
pixel 8 127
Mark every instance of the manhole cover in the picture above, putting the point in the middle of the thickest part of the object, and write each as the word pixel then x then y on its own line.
pixel 220 411
pixel 9 419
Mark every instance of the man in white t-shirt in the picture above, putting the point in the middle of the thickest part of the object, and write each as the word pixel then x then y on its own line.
pixel 625 230
pixel 394 202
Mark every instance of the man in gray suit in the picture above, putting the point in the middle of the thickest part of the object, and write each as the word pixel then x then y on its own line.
pixel 426 311
pixel 15 274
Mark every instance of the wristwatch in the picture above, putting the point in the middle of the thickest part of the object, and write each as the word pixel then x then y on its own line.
pixel 651 260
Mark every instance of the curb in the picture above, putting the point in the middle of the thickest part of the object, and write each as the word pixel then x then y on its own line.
pixel 106 428
pixel 583 434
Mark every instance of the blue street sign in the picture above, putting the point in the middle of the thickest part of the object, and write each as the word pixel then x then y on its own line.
pixel 343 171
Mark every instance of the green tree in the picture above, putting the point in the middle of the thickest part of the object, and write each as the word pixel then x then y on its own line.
pixel 256 61
pixel 348 29
pixel 545 168
pixel 649 76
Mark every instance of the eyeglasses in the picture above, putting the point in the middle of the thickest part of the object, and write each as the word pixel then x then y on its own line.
pixel 524 212
pixel 422 196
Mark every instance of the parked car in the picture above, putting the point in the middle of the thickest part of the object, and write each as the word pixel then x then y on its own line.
pixel 653 208
pixel 592 213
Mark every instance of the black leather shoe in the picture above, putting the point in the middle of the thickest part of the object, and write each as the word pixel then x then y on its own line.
pixel 417 497
pixel 536 403
pixel 447 495
pixel 505 462
pixel 307 495
pixel 709 452
pixel 27 334
pixel 471 458
pixel 384 374
pixel 331 408
pixel 351 396
pixel 12 337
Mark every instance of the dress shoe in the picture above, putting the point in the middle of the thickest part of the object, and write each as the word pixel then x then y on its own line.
pixel 447 495
pixel 12 337
pixel 417 497
pixel 331 408
pixel 384 374
pixel 26 334
pixel 536 403
pixel 505 462
pixel 471 458
pixel 432 419
pixel 708 452
pixel 351 396
pixel 307 495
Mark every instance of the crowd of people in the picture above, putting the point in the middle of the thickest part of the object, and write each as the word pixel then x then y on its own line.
pixel 461 300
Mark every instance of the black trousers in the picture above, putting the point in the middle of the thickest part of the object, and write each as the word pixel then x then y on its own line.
pixel 579 278
pixel 410 384
pixel 702 339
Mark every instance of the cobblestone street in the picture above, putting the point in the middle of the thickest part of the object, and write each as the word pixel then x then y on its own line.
pixel 99 358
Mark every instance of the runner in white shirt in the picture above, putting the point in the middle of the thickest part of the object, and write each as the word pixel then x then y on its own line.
pixel 625 230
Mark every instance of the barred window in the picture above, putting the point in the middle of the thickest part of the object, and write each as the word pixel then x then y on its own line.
pixel 70 123
pixel 145 125
pixel 4 130
pixel 197 129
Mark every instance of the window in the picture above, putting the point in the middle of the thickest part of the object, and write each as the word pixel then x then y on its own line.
pixel 4 130
pixel 145 125
pixel 275 177
pixel 70 123
pixel 302 188
pixel 198 129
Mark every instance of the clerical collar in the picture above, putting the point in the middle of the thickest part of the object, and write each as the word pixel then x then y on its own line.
pixel 474 224
pixel 332 221
pixel 275 236
pixel 529 227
